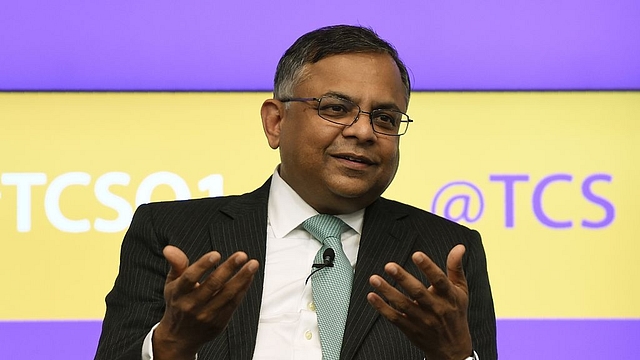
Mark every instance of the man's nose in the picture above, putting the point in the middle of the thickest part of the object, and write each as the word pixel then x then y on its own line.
pixel 361 127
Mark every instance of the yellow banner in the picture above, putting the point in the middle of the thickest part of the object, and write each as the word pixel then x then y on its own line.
pixel 549 179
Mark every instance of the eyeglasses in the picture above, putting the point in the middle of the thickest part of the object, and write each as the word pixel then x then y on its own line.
pixel 344 112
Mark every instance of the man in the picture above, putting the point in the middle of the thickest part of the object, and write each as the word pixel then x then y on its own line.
pixel 420 287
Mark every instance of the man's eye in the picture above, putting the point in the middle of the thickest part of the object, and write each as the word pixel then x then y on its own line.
pixel 385 119
pixel 334 110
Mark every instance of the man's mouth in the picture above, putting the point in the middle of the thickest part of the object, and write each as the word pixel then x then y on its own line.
pixel 355 158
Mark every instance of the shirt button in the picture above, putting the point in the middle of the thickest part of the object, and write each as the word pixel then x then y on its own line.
pixel 308 335
pixel 311 306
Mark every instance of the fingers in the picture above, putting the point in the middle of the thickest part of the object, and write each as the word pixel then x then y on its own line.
pixel 443 286
pixel 413 287
pixel 400 302
pixel 178 261
pixel 404 303
pixel 455 271
pixel 232 292
pixel 186 277
pixel 397 317
pixel 438 279
pixel 233 275
pixel 441 282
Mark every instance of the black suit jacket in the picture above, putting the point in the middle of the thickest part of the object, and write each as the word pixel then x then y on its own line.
pixel 391 232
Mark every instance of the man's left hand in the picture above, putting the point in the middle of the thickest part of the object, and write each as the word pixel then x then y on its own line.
pixel 433 318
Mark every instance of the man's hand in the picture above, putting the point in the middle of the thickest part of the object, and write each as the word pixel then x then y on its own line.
pixel 434 318
pixel 197 312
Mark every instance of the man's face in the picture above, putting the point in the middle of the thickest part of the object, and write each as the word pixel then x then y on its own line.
pixel 336 168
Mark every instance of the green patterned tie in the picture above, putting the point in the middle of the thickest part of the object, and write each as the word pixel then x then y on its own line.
pixel 331 285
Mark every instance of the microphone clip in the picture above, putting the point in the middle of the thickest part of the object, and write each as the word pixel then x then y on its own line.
pixel 327 261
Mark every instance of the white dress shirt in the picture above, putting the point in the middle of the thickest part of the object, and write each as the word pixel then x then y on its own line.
pixel 288 327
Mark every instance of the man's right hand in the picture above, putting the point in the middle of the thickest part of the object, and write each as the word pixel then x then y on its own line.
pixel 198 312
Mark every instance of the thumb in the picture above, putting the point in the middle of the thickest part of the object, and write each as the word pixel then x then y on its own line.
pixel 178 261
pixel 455 272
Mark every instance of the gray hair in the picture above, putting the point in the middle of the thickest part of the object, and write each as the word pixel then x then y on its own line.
pixel 327 41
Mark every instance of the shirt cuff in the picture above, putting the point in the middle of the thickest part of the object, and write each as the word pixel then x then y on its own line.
pixel 147 344
pixel 474 357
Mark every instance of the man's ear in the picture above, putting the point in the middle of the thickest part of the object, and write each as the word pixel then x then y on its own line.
pixel 272 112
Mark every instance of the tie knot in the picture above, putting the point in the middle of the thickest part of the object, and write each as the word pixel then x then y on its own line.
pixel 324 226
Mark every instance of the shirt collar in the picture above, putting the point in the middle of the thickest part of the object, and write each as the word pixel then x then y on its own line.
pixel 287 210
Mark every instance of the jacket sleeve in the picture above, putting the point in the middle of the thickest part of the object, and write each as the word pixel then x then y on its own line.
pixel 136 301
pixel 481 315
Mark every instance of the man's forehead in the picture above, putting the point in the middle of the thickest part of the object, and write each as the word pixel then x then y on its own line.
pixel 319 77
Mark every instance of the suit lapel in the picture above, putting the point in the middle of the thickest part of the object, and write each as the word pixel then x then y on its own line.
pixel 383 239
pixel 242 226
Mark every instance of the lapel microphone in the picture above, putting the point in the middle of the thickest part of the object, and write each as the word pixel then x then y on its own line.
pixel 327 257
pixel 327 261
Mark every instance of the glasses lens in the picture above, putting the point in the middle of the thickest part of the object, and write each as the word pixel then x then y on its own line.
pixel 337 110
pixel 389 122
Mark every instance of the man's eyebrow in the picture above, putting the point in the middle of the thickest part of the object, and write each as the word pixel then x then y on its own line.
pixel 382 105
pixel 339 95
pixel 387 106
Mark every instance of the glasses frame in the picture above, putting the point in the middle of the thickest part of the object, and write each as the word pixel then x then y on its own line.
pixel 360 111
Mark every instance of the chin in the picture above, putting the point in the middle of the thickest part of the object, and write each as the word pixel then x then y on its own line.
pixel 357 195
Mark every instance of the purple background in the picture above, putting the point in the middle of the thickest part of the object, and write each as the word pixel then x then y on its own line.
pixel 517 339
pixel 216 45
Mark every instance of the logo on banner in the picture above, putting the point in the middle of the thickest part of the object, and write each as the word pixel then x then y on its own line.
pixel 24 182
pixel 464 201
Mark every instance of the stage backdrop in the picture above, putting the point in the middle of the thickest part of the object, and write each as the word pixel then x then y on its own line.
pixel 547 178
